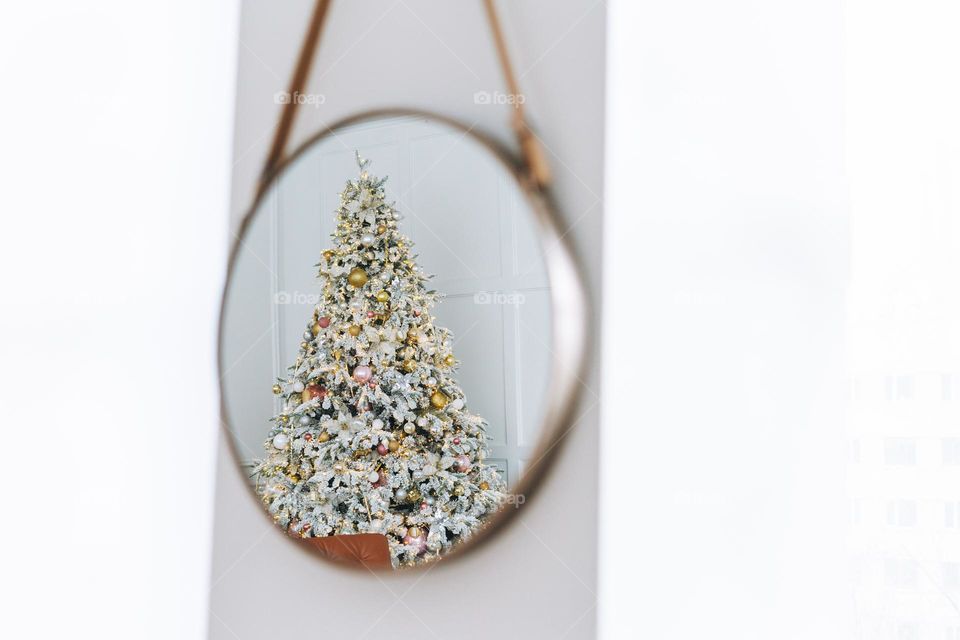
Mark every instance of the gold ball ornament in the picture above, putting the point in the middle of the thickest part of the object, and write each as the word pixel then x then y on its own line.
pixel 357 277
pixel 354 330
pixel 304 345
pixel 284 418
pixel 323 437
pixel 412 336
pixel 328 254
pixel 413 532
pixel 450 360
pixel 438 399
pixel 458 490
pixel 315 329
pixel 393 445
pixel 484 486
pixel 383 296
pixel 381 228
pixel 409 366
pixel 277 389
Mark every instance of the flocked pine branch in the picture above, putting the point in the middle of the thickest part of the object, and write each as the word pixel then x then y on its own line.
pixel 374 435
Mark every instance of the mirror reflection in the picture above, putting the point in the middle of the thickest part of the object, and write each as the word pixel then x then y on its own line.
pixel 386 341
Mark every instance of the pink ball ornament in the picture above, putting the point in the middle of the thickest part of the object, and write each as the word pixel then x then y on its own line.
pixel 462 463
pixel 456 441
pixel 418 542
pixel 323 321
pixel 362 373
pixel 424 506
pixel 382 449
pixel 381 480
pixel 370 314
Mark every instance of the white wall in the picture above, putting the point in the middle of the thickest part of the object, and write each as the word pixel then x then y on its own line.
pixel 116 126
pixel 726 183
pixel 433 55
pixel 787 174
pixel 903 322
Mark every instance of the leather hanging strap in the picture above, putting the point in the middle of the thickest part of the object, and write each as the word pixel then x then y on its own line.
pixel 531 151
pixel 530 147
pixel 297 81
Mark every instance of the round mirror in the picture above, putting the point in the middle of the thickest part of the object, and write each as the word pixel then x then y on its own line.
pixel 389 359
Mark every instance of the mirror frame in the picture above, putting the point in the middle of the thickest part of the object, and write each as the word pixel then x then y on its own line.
pixel 570 321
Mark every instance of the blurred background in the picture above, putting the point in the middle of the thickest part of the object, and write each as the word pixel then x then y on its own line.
pixel 765 195
pixel 117 127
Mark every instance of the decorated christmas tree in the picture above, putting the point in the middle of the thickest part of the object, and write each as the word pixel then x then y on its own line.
pixel 374 435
